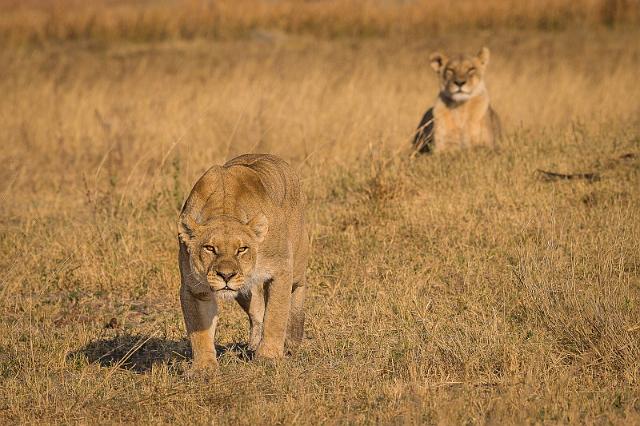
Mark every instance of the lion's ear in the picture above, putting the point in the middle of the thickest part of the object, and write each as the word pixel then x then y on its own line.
pixel 483 56
pixel 186 229
pixel 260 226
pixel 437 61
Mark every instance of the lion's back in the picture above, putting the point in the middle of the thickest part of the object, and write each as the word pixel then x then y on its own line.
pixel 278 179
pixel 245 185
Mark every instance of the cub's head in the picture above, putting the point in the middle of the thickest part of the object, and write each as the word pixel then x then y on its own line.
pixel 461 77
pixel 223 251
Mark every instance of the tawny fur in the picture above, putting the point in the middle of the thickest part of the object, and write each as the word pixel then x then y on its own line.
pixel 242 235
pixel 462 116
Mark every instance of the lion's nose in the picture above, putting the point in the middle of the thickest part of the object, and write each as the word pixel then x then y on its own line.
pixel 460 83
pixel 226 276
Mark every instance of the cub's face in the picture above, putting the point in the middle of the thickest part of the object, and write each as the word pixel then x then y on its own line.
pixel 223 252
pixel 461 77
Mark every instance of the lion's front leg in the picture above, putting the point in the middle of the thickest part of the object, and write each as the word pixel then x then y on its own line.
pixel 254 305
pixel 276 316
pixel 201 317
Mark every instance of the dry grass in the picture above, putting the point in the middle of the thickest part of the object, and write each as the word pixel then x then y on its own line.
pixel 39 21
pixel 457 288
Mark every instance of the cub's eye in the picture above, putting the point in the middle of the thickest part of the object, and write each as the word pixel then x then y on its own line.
pixel 448 73
pixel 211 249
pixel 242 250
pixel 471 71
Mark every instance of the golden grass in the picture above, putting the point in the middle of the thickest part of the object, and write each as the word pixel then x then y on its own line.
pixel 38 21
pixel 457 288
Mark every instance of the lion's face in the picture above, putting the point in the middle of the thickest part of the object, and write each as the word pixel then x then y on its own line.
pixel 461 77
pixel 223 252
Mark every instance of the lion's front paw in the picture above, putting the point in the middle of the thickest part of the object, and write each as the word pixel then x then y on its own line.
pixel 254 342
pixel 203 367
pixel 269 352
pixel 253 347
pixel 291 346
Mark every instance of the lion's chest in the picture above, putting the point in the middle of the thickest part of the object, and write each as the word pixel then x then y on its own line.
pixel 258 277
pixel 452 128
pixel 457 127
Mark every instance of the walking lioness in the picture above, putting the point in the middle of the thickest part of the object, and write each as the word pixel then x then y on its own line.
pixel 462 116
pixel 242 236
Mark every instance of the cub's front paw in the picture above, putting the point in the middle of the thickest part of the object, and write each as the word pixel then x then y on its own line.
pixel 269 352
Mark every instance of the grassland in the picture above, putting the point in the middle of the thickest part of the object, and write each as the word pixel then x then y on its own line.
pixel 461 288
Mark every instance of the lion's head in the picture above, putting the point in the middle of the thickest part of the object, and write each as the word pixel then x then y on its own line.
pixel 223 251
pixel 461 77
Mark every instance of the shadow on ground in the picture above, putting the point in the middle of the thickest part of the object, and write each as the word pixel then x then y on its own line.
pixel 138 353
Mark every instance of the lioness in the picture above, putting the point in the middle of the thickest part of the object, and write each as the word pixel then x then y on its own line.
pixel 242 236
pixel 462 116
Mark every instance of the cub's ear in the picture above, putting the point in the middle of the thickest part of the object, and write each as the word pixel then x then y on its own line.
pixel 437 61
pixel 186 229
pixel 483 56
pixel 260 226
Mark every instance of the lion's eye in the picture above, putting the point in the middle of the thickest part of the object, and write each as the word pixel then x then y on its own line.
pixel 242 250
pixel 448 73
pixel 471 71
pixel 211 249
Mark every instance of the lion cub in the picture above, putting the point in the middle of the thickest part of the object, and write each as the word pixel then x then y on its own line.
pixel 242 236
pixel 462 116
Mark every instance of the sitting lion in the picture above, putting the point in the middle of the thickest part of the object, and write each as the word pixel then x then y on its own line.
pixel 462 116
pixel 242 236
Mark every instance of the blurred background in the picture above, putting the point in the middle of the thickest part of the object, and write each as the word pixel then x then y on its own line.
pixel 41 21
